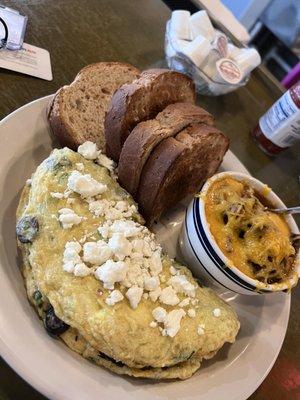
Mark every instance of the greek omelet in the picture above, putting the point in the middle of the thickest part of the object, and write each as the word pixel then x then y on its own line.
pixel 100 282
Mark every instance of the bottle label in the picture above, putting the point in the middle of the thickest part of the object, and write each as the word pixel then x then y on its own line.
pixel 281 123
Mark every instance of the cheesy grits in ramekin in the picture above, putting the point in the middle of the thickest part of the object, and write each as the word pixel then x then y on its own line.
pixel 230 239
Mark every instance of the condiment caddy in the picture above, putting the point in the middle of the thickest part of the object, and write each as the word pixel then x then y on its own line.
pixel 193 46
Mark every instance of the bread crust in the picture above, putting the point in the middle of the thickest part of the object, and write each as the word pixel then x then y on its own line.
pixel 141 100
pixel 148 134
pixel 178 167
pixel 61 129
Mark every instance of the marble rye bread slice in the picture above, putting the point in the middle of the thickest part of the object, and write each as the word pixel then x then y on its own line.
pixel 76 114
pixel 178 166
pixel 148 134
pixel 141 100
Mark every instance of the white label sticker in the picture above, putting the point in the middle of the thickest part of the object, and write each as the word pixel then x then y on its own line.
pixel 229 70
pixel 30 60
pixel 281 123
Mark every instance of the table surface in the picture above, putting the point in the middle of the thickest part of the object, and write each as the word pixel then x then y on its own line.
pixel 79 33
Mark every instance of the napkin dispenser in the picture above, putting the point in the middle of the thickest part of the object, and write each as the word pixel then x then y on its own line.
pixel 12 28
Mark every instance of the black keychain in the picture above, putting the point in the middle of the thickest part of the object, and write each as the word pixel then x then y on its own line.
pixel 14 25
pixel 4 40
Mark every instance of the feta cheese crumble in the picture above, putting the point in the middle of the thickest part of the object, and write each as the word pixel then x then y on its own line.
pixel 159 314
pixel 114 297
pixel 85 185
pixel 134 295
pixel 151 282
pixel 120 246
pixel 184 302
pixel 181 284
pixel 169 296
pixel 191 313
pixel 154 295
pixel 172 322
pixel 104 231
pixel 81 270
pixel 88 150
pixel 73 246
pixel 173 271
pixel 106 162
pixel 68 218
pixel 128 227
pixel 200 330
pixel 216 312
pixel 71 256
pixel 99 207
pixel 111 272
pixel 155 263
pixel 96 252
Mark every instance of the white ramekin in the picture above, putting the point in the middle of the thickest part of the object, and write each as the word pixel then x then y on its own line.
pixel 206 259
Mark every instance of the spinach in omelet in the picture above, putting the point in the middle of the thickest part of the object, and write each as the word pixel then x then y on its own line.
pixel 117 337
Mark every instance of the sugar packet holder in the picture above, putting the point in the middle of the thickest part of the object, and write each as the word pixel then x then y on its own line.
pixel 194 47
pixel 205 83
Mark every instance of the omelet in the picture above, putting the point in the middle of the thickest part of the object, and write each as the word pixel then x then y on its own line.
pixel 119 302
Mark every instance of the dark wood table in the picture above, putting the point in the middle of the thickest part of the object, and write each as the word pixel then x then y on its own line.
pixel 78 33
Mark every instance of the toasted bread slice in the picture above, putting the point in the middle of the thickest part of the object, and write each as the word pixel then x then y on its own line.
pixel 148 134
pixel 142 100
pixel 76 114
pixel 178 166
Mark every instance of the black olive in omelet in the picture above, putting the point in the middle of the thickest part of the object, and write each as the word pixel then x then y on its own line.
pixel 123 336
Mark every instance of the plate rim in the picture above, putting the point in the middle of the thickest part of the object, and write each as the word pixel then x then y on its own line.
pixel 33 379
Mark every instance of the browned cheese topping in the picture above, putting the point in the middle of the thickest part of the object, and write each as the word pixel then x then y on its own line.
pixel 257 241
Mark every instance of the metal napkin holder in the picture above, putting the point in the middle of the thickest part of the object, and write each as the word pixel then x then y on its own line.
pixel 12 28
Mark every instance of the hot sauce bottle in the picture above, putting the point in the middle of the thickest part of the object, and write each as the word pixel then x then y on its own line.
pixel 279 127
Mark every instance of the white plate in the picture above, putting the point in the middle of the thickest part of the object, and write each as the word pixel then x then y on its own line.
pixel 59 373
